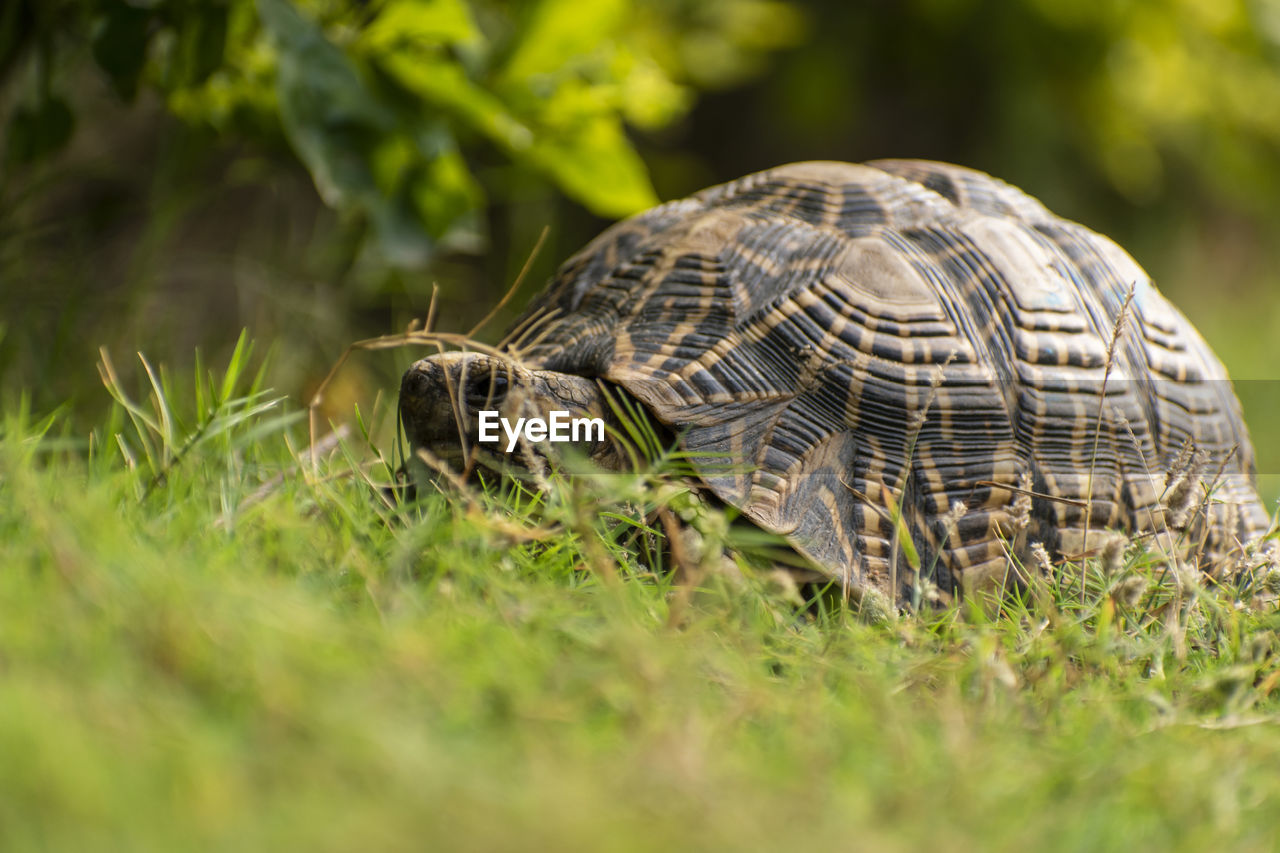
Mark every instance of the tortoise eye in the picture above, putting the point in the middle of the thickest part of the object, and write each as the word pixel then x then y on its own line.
pixel 488 388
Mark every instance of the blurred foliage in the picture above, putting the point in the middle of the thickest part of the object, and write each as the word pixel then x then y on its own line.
pixel 381 100
pixel 394 106
pixel 1129 96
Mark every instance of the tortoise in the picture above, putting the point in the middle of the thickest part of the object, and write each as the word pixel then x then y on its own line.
pixel 895 348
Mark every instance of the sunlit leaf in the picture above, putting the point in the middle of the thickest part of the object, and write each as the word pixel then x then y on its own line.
pixel 597 166
pixel 563 31
pixel 446 197
pixel 421 22
pixel 443 84
pixel 649 99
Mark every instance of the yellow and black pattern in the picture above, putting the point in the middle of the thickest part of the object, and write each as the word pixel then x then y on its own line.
pixel 902 334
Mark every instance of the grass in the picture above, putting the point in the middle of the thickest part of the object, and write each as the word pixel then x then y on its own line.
pixel 211 641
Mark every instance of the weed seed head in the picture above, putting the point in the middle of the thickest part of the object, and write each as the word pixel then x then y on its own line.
pixel 1020 511
pixel 1129 591
pixel 875 608
pixel 1182 491
pixel 952 518
pixel 1041 557
pixel 1185 576
pixel 1111 557
pixel 1271 581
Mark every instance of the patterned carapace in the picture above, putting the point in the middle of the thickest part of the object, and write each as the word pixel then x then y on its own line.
pixel 908 334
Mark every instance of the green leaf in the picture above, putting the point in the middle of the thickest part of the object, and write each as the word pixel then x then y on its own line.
pixel 15 22
pixel 649 99
pixel 120 46
pixel 329 116
pixel 202 42
pixel 563 31
pixel 420 22
pixel 596 165
pixel 444 84
pixel 337 126
pixel 583 149
pixel 446 197
pixel 37 132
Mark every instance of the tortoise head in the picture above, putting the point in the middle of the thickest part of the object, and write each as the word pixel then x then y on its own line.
pixel 467 408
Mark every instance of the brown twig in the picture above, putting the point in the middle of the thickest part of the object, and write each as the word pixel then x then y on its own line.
pixel 515 285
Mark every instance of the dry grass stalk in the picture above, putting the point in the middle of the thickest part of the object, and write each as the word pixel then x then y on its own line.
pixel 1117 330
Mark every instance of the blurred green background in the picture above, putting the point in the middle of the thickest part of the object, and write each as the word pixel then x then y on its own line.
pixel 176 170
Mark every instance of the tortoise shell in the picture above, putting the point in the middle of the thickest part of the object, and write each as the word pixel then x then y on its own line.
pixel 905 343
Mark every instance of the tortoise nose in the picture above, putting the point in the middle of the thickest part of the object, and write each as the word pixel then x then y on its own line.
pixel 419 382
pixel 424 402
